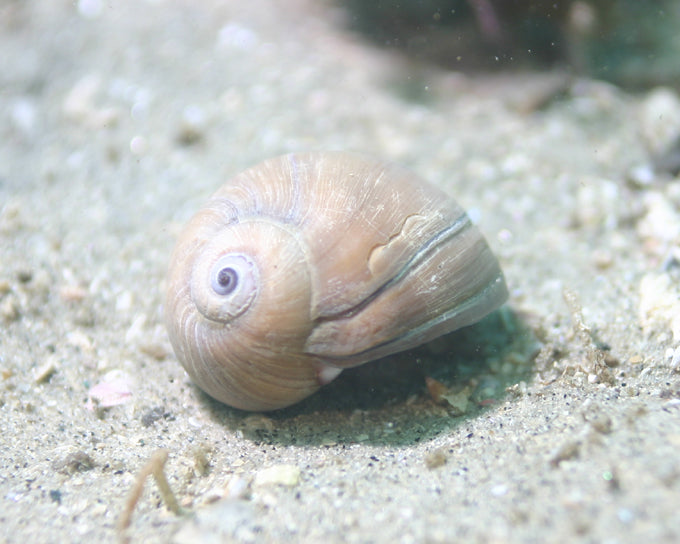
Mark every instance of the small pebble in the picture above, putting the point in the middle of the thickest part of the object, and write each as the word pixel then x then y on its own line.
pixel 436 458
pixel 90 9
pixel 9 309
pixel 72 293
pixel 659 306
pixel 285 475
pixel 23 114
pixel 24 276
pixel 192 127
pixel 152 415
pixel 45 371
pixel 660 226
pixel 625 515
pixel 456 401
pixel 124 302
pixel 568 450
pixel 74 462
pixel 675 359
pixel 660 119
pixel 201 460
pixel 499 490
pixel 602 259
pixel 157 351
pixel 80 340
pixel 236 488
pixel 601 422
pixel 642 175
pixel 114 389
pixel 138 145
pixel 598 203
pixel 79 104
pixel 258 423
pixel 55 495
pixel 5 287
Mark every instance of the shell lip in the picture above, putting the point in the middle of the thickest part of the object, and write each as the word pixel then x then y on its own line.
pixel 461 224
pixel 468 312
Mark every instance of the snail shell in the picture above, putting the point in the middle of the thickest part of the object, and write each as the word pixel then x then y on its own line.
pixel 310 263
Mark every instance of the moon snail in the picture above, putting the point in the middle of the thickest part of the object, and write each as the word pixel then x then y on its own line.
pixel 310 263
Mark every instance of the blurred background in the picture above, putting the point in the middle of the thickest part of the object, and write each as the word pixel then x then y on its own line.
pixel 630 42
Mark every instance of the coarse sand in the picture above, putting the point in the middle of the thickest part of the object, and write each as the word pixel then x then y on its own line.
pixel 556 419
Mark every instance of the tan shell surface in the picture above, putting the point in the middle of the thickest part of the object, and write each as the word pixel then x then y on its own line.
pixel 356 259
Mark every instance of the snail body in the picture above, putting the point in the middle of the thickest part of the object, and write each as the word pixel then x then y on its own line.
pixel 310 263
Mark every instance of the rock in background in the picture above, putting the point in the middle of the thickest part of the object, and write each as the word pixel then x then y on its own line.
pixel 627 41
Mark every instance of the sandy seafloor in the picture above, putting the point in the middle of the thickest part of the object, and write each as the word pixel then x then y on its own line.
pixel 118 119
